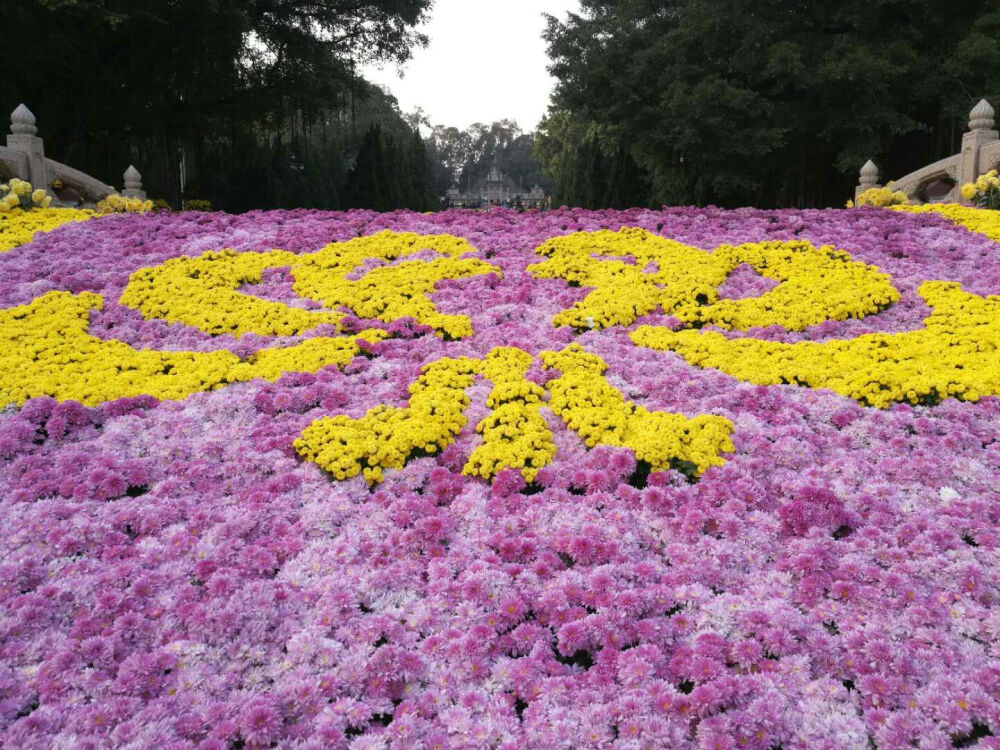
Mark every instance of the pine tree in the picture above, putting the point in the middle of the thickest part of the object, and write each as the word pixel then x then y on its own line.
pixel 420 171
pixel 367 181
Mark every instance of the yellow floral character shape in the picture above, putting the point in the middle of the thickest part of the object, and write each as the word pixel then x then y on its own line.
pixel 46 350
pixel 957 353
pixel 515 434
pixel 600 415
pixel 817 284
pixel 666 274
pixel 388 293
pixel 202 291
pixel 386 437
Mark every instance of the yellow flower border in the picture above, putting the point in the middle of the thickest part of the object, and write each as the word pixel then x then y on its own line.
pixel 20 227
pixel 982 221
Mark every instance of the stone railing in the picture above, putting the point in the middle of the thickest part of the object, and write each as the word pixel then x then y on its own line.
pixel 943 180
pixel 24 158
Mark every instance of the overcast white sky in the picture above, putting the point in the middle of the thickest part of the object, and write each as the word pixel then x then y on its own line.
pixel 486 61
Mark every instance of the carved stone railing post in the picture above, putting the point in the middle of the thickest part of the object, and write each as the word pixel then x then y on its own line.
pixel 22 138
pixel 980 133
pixel 868 178
pixel 133 184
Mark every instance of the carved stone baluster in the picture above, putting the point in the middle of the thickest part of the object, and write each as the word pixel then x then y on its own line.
pixel 23 138
pixel 868 178
pixel 133 184
pixel 980 133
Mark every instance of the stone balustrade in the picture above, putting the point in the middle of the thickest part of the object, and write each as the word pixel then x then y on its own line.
pixel 24 157
pixel 943 180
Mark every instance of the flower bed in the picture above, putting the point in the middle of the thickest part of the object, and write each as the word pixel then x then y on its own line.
pixel 305 479
pixel 18 228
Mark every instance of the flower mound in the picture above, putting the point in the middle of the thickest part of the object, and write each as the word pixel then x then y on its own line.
pixel 678 478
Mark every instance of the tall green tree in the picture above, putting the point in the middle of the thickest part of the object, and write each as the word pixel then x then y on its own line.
pixel 422 195
pixel 369 179
pixel 220 84
pixel 767 102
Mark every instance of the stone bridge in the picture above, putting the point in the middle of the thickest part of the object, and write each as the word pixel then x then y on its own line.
pixel 24 158
pixel 943 180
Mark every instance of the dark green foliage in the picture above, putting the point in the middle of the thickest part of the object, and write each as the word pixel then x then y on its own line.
pixel 391 174
pixel 368 182
pixel 421 193
pixel 259 98
pixel 760 102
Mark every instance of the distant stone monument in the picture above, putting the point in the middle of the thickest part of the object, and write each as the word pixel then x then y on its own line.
pixel 497 190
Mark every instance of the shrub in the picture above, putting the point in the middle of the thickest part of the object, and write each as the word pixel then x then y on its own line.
pixel 117 204
pixel 881 197
pixel 984 192
pixel 19 195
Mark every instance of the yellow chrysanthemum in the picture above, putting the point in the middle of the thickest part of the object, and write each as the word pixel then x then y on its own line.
pixel 979 220
pixel 515 433
pixel 956 354
pixel 633 273
pixel 19 227
pixel 46 350
pixel 599 414
pixel 881 197
pixel 203 291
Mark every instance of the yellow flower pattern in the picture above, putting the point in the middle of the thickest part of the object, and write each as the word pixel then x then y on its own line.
pixel 817 284
pixel 515 434
pixel 982 221
pixel 600 415
pixel 202 291
pixel 18 227
pixel 47 350
pixel 956 354
pixel 386 437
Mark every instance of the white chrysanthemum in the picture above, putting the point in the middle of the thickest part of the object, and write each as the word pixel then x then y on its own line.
pixel 948 493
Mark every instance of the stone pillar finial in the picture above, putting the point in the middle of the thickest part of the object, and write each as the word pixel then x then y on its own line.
pixel 22 138
pixel 22 121
pixel 868 178
pixel 869 175
pixel 981 116
pixel 133 180
pixel 979 134
pixel 133 184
